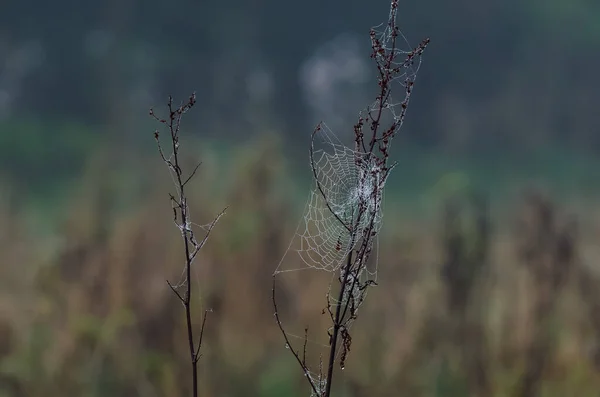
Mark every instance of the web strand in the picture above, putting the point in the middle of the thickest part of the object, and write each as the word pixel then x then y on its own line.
pixel 352 184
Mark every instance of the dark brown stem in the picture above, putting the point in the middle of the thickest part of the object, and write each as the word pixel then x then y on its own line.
pixel 182 220
pixel 301 361
pixel 337 323
pixel 175 117
pixel 373 168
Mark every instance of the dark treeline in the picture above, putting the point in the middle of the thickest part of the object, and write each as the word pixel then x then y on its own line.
pixel 496 72
pixel 502 78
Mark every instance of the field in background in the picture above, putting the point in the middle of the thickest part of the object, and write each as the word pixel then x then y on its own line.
pixel 487 288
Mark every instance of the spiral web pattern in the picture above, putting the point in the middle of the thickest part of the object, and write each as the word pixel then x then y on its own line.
pixel 348 187
pixel 345 199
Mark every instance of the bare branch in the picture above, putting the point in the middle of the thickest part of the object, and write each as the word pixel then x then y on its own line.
pixel 181 218
pixel 192 174
pixel 371 161
pixel 175 291
pixel 304 347
pixel 288 344
pixel 201 334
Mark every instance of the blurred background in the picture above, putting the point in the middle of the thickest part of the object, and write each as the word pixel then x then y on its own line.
pixel 489 282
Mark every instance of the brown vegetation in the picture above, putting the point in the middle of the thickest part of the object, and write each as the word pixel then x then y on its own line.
pixel 479 308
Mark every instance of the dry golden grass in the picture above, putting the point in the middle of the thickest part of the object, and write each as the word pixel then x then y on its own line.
pixel 94 316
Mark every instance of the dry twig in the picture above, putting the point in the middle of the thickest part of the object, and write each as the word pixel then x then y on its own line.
pixel 181 218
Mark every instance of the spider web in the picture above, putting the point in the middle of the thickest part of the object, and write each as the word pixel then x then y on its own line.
pixel 345 200
pixel 399 65
pixel 343 212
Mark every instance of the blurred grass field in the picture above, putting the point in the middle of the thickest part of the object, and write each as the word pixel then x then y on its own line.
pixel 85 309
pixel 488 256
